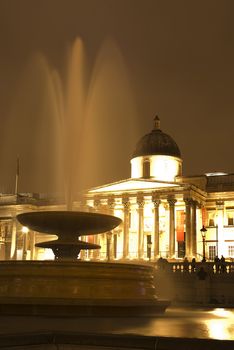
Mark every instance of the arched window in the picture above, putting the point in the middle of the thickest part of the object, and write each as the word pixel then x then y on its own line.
pixel 146 168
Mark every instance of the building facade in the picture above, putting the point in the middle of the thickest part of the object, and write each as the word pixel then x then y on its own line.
pixel 162 211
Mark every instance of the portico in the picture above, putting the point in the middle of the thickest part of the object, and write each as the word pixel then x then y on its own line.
pixel 161 214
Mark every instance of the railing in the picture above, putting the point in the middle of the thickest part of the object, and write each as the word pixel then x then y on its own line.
pixel 189 267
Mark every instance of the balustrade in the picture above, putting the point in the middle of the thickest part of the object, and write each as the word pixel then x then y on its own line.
pixel 209 267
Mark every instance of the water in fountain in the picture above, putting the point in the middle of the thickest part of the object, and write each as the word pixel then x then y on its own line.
pixel 74 115
pixel 70 133
pixel 111 119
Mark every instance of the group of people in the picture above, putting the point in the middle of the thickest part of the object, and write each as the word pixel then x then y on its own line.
pixel 220 264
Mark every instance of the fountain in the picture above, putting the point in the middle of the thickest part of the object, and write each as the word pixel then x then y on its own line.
pixel 69 286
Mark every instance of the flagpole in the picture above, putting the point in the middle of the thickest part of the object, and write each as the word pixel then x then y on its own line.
pixel 17 177
pixel 14 225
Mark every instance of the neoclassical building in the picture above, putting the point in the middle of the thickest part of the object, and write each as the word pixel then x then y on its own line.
pixel 162 211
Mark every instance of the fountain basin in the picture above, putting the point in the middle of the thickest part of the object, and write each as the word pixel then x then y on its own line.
pixel 82 289
pixel 68 223
pixel 68 226
pixel 68 286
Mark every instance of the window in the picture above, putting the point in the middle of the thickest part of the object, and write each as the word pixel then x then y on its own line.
pixel 212 252
pixel 230 221
pixel 146 168
pixel 230 217
pixel 231 251
pixel 211 218
pixel 211 222
pixel 181 249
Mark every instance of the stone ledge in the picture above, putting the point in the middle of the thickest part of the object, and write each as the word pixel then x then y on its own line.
pixel 69 340
pixel 138 309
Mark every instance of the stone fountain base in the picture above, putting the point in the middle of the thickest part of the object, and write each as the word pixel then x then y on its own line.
pixel 62 288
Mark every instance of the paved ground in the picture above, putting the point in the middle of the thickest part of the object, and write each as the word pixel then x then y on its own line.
pixel 87 341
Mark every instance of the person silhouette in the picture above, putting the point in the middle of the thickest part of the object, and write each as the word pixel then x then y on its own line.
pixel 223 264
pixel 186 264
pixel 193 264
pixel 217 263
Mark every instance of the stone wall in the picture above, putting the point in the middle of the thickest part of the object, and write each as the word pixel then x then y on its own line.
pixel 199 284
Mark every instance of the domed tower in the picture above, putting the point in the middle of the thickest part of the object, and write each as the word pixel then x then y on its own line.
pixel 156 156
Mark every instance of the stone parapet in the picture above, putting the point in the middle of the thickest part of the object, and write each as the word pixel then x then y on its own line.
pixel 202 283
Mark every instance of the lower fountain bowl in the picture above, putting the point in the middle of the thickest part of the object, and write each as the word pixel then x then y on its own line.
pixel 78 289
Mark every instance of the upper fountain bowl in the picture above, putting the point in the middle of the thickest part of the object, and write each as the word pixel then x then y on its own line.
pixel 69 222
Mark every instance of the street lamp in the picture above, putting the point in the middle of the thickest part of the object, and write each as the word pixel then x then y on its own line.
pixel 203 233
pixel 149 245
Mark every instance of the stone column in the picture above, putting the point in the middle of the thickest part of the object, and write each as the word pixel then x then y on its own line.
pixel 109 235
pixel 194 229
pixel 109 250
pixel 13 240
pixel 96 239
pixel 187 227
pixel 219 231
pixel 156 202
pixel 140 202
pixel 25 246
pixel 5 246
pixel 111 204
pixel 171 202
pixel 126 207
pixel 32 236
pixel 2 245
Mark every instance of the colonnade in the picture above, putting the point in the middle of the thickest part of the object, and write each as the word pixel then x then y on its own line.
pixel 140 201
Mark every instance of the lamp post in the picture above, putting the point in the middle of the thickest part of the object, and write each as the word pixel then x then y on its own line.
pixel 149 246
pixel 203 233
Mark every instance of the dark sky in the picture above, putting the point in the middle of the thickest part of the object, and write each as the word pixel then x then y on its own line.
pixel 179 56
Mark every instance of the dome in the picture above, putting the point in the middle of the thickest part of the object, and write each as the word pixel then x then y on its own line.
pixel 156 143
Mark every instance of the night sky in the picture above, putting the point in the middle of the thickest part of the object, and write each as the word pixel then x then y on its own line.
pixel 179 59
